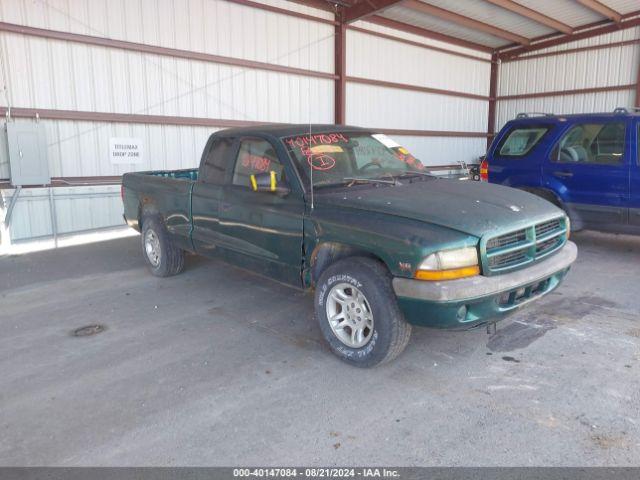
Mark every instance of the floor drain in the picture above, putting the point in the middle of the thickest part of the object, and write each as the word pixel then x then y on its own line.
pixel 88 330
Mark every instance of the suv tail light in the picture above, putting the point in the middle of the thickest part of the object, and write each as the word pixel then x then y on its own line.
pixel 484 171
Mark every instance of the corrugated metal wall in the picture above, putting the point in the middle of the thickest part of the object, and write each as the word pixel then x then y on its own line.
pixel 384 59
pixel 80 149
pixel 74 209
pixel 45 73
pixel 56 74
pixel 605 67
pixel 63 75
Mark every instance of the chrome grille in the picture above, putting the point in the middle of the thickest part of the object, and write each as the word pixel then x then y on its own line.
pixel 514 249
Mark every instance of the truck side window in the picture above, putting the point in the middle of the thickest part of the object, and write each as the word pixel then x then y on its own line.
pixel 592 143
pixel 215 165
pixel 255 156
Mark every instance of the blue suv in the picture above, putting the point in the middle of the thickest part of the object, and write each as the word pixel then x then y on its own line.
pixel 587 164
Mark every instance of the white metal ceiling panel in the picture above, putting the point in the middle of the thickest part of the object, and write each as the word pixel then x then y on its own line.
pixel 410 16
pixel 493 15
pixel 622 6
pixel 565 11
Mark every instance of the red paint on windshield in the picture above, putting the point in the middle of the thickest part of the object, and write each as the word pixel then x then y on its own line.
pixel 317 161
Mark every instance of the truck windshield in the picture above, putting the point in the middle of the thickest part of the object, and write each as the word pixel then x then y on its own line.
pixel 339 158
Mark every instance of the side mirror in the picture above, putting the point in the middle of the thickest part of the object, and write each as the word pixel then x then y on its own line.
pixel 268 182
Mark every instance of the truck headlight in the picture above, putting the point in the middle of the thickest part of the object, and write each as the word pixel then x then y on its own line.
pixel 449 265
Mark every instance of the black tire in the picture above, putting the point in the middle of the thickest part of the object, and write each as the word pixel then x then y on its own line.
pixel 170 259
pixel 390 333
pixel 549 197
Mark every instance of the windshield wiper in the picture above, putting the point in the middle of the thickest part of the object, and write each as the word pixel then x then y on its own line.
pixel 424 174
pixel 370 180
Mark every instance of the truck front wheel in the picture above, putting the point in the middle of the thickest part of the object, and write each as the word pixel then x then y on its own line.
pixel 358 313
pixel 162 257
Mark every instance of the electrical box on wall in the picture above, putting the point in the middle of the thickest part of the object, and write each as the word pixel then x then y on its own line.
pixel 28 153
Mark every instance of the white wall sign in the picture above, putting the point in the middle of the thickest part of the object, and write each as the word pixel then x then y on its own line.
pixel 126 150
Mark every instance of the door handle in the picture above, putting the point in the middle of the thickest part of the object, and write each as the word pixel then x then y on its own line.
pixel 563 174
pixel 225 207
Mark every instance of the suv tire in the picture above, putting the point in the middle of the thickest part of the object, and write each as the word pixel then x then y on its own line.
pixel 358 313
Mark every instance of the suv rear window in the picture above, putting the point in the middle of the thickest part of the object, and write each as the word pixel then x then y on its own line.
pixel 521 140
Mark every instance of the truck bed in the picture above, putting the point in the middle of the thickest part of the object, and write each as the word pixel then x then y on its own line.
pixel 187 174
pixel 167 193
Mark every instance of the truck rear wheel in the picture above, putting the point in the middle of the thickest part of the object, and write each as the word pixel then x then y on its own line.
pixel 162 257
pixel 358 313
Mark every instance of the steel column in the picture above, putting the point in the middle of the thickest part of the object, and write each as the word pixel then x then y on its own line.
pixel 637 103
pixel 54 217
pixel 493 94
pixel 340 43
pixel 12 204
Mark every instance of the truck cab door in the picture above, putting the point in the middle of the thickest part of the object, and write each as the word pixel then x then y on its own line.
pixel 589 169
pixel 207 194
pixel 262 230
pixel 634 171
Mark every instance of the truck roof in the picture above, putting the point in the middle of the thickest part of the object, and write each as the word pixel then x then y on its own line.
pixel 285 130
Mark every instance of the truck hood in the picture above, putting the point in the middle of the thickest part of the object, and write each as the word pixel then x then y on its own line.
pixel 474 208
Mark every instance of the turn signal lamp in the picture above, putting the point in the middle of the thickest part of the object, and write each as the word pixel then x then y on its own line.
pixel 449 265
pixel 484 171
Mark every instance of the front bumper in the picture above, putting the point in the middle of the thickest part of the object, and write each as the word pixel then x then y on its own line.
pixel 469 302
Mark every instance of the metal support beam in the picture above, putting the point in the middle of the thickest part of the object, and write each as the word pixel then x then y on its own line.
pixel 465 21
pixel 532 15
pixel 423 32
pixel 574 91
pixel 340 70
pixel 284 11
pixel 416 88
pixel 493 94
pixel 54 217
pixel 367 8
pixel 637 104
pixel 601 9
pixel 157 50
pixel 594 32
pixel 422 45
pixel 12 203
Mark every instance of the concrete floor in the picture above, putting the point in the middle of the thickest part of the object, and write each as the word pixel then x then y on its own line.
pixel 220 367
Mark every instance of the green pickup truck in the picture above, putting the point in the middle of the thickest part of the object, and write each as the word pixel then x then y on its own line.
pixel 352 214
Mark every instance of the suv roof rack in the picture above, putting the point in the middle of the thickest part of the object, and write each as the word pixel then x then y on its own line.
pixel 626 110
pixel 533 114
